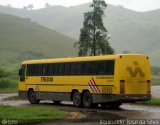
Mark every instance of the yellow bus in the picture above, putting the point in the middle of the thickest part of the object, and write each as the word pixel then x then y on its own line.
pixel 87 81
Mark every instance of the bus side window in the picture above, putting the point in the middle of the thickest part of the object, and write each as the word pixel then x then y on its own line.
pixel 79 68
pixel 35 69
pixel 84 68
pixel 61 69
pixel 40 70
pixel 22 75
pixel 67 69
pixel 110 67
pixel 56 69
pixel 28 73
pixel 93 68
pixel 73 68
pixel 44 70
pixel 101 69
pixel 50 69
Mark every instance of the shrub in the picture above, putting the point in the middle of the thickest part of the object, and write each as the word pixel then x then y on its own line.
pixel 8 83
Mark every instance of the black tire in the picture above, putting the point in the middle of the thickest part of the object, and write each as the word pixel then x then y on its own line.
pixel 114 105
pixel 94 105
pixel 56 102
pixel 32 97
pixel 103 105
pixel 77 100
pixel 87 100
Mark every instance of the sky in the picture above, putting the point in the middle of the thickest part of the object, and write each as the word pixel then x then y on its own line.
pixel 136 5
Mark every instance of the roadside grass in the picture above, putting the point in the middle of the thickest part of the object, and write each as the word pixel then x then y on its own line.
pixel 155 80
pixel 155 84
pixel 30 114
pixel 8 85
pixel 153 101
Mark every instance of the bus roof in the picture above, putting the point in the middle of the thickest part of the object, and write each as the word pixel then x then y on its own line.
pixel 75 59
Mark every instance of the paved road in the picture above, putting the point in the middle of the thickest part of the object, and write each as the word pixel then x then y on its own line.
pixel 93 116
pixel 156 91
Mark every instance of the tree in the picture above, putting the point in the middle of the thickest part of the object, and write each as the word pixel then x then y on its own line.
pixel 9 5
pixel 25 8
pixel 93 39
pixel 3 73
pixel 47 5
pixel 30 6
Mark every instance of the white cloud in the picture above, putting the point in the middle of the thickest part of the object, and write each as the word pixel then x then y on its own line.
pixel 137 5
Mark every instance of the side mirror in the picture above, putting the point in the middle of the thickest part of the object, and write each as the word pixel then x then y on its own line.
pixel 20 72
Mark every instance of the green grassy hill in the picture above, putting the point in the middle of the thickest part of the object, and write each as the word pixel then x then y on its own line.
pixel 21 39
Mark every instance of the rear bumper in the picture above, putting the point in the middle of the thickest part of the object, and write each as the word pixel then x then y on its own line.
pixel 126 98
pixel 122 98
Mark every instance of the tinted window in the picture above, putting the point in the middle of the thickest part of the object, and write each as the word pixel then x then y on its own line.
pixel 22 75
pixel 40 70
pixel 110 67
pixel 105 67
pixel 93 68
pixel 29 70
pixel 101 67
pixel 74 68
pixel 61 69
pixel 56 69
pixel 67 69
pixel 50 69
pixel 86 69
pixel 79 68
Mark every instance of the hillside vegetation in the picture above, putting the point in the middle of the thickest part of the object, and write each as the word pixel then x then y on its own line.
pixel 21 39
pixel 137 32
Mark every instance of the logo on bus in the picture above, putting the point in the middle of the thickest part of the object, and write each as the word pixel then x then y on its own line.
pixel 135 71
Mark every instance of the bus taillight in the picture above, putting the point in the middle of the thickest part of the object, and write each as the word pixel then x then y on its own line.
pixel 148 87
pixel 122 86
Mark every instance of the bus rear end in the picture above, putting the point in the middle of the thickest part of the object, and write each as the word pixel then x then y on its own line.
pixel 133 78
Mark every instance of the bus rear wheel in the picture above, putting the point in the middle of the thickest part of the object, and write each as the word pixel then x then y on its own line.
pixel 32 97
pixel 77 101
pixel 103 105
pixel 114 105
pixel 87 99
pixel 56 102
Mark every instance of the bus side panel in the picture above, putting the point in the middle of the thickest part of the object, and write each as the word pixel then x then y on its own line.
pixel 62 85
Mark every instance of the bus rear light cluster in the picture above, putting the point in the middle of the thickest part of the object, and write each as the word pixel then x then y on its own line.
pixel 148 92
pixel 148 87
pixel 148 81
pixel 122 86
